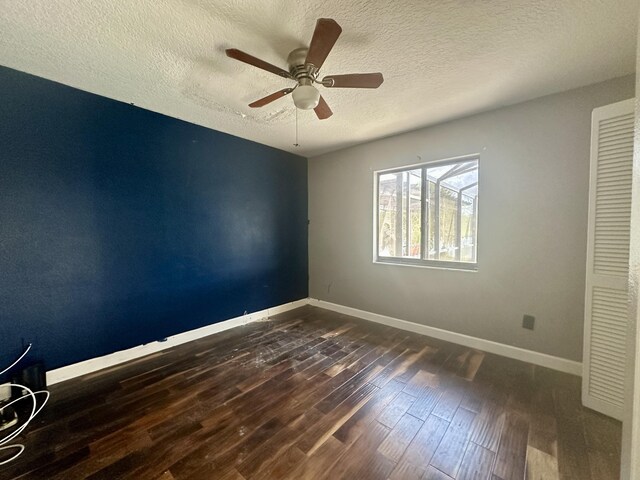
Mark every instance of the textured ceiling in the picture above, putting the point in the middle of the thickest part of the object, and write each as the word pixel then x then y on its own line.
pixel 441 59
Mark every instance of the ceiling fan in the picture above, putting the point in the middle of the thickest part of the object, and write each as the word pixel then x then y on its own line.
pixel 304 67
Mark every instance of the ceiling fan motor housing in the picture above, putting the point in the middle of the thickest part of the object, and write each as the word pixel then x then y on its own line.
pixel 298 67
pixel 305 95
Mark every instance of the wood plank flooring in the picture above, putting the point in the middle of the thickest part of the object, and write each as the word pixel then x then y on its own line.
pixel 313 394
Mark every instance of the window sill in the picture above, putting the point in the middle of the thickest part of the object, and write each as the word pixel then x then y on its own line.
pixel 470 268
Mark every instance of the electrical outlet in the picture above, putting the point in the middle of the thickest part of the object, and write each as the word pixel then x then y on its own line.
pixel 5 391
pixel 528 321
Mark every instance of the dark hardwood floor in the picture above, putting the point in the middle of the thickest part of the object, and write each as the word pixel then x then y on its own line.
pixel 313 394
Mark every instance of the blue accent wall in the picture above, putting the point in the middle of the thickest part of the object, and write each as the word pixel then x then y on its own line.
pixel 120 226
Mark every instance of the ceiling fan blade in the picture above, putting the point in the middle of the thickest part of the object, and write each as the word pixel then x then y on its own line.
pixel 322 110
pixel 270 98
pixel 324 38
pixel 256 62
pixel 354 80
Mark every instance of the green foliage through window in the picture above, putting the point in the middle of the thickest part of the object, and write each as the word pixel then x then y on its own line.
pixel 429 213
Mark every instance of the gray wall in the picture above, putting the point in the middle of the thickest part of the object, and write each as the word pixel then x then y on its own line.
pixel 534 181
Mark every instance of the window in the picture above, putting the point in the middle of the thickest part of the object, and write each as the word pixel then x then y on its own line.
pixel 428 214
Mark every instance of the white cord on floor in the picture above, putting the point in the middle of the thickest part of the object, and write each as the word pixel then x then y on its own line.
pixel 16 362
pixel 14 434
pixel 9 447
pixel 34 411
pixel 25 396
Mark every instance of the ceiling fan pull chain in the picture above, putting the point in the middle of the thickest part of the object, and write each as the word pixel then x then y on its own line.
pixel 296 144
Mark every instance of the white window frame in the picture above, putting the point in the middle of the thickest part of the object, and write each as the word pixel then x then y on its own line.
pixel 421 262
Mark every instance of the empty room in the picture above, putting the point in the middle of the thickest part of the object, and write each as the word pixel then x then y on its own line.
pixel 364 240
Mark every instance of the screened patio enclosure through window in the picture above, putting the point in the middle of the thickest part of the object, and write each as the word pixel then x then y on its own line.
pixel 428 214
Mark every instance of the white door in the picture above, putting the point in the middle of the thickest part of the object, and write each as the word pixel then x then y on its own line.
pixel 606 299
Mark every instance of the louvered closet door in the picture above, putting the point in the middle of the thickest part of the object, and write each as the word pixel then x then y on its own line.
pixel 606 308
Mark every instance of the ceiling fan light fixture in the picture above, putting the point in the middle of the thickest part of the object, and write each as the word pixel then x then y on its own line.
pixel 306 97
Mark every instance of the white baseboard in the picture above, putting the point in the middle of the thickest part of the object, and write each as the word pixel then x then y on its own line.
pixel 95 364
pixel 99 363
pixel 542 359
